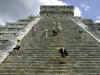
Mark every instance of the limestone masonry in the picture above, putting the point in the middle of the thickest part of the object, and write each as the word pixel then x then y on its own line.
pixel 38 56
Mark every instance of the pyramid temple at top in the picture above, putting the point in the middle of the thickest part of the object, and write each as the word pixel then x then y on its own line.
pixel 39 56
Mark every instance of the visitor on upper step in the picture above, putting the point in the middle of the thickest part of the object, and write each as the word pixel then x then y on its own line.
pixel 80 31
pixel 45 34
pixel 34 28
pixel 58 28
pixel 82 34
pixel 54 32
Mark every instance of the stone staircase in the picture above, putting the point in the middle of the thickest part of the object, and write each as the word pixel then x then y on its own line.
pixel 10 33
pixel 40 57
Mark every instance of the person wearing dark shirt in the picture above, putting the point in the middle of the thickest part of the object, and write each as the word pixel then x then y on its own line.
pixel 63 52
pixel 54 32
pixel 17 48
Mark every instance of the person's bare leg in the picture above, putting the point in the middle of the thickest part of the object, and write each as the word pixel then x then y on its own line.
pixel 21 52
pixel 14 52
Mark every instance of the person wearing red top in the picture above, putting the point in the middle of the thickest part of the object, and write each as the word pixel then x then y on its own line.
pixel 33 28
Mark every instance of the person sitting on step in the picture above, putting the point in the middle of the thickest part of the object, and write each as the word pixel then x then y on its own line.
pixel 63 52
pixel 17 48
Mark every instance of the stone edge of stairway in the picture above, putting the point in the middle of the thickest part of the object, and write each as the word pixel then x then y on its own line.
pixel 21 36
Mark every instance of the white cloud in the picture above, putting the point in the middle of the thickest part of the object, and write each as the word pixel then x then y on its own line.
pixel 77 12
pixel 52 2
pixel 85 7
pixel 32 5
pixel 97 19
pixel 12 10
pixel 2 22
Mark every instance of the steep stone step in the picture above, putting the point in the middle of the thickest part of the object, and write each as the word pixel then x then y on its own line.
pixel 18 65
pixel 70 48
pixel 34 67
pixel 31 72
pixel 73 47
pixel 57 57
pixel 91 54
pixel 82 44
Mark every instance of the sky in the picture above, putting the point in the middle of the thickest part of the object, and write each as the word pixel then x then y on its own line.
pixel 89 8
pixel 12 10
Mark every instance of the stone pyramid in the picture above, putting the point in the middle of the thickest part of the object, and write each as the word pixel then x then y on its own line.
pixel 40 56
